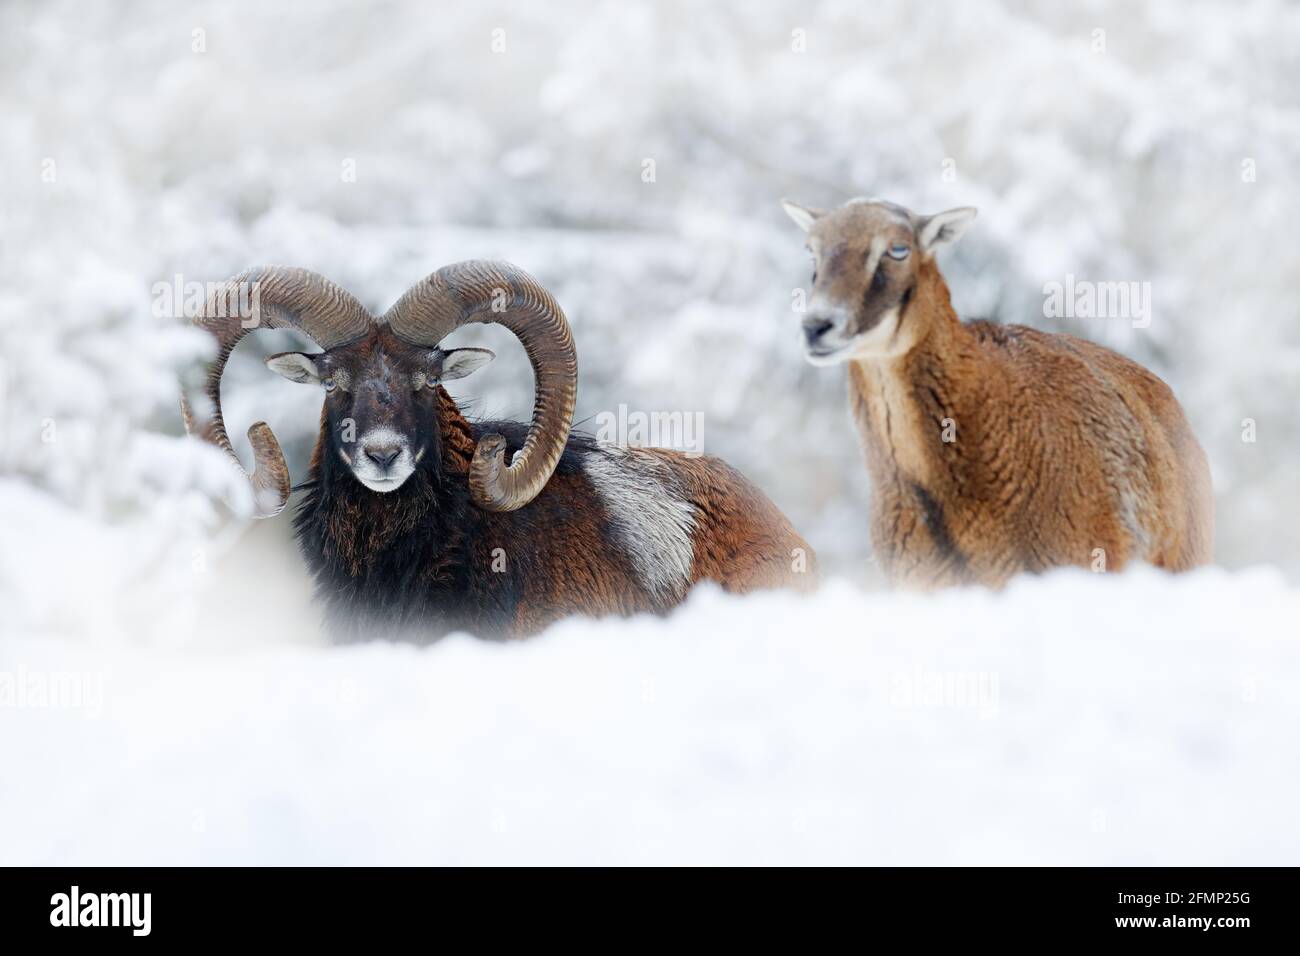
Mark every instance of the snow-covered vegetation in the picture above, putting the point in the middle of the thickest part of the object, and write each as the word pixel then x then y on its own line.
pixel 631 155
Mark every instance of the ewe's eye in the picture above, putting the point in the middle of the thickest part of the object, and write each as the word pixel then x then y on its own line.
pixel 329 384
pixel 899 250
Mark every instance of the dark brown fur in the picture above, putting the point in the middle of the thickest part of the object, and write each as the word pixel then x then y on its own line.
pixel 419 562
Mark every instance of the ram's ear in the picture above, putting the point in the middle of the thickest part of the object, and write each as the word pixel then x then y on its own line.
pixel 295 366
pixel 943 228
pixel 803 216
pixel 457 363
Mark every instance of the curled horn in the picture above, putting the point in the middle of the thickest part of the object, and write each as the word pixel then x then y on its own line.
pixel 271 297
pixel 486 291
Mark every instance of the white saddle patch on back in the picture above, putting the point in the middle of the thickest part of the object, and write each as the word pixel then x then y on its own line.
pixel 652 523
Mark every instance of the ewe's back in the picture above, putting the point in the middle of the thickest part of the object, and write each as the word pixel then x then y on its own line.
pixel 1086 422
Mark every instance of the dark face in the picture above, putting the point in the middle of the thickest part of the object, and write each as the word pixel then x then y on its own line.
pixel 866 256
pixel 381 403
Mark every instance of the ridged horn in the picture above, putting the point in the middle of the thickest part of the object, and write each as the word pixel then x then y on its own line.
pixel 270 297
pixel 488 291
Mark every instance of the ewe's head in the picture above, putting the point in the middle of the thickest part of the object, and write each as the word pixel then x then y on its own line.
pixel 381 402
pixel 867 258
pixel 380 375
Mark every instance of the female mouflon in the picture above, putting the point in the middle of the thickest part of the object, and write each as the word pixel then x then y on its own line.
pixel 992 449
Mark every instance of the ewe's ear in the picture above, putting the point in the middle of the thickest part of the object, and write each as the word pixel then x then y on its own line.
pixel 457 363
pixel 295 366
pixel 803 216
pixel 943 228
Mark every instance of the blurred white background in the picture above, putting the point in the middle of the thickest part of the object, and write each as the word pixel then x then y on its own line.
pixel 1112 141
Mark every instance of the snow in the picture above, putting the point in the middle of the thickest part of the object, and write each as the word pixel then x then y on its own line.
pixel 1128 718
pixel 1076 718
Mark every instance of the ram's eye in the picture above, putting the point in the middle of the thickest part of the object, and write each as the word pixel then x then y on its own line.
pixel 899 250
pixel 329 384
pixel 429 380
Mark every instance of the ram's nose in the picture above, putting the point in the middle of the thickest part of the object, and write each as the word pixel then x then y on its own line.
pixel 383 455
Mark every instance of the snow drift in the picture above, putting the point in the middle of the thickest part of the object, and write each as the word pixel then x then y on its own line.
pixel 1076 718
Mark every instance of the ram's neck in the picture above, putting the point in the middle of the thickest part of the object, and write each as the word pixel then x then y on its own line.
pixel 906 406
pixel 456 440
